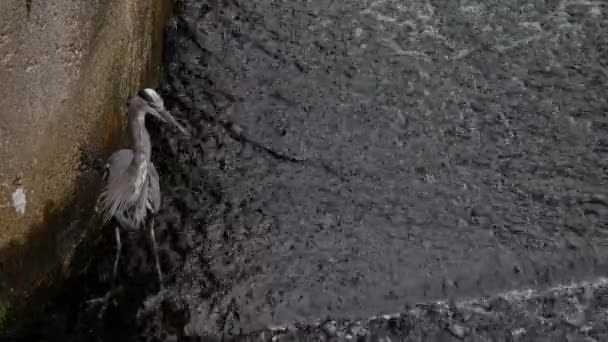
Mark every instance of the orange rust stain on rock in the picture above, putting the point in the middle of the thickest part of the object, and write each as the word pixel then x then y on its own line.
pixel 112 133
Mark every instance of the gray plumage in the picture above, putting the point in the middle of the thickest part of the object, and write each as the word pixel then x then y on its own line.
pixel 131 193
pixel 116 175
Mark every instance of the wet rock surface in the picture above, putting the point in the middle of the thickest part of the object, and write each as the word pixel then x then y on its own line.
pixel 67 68
pixel 512 316
pixel 350 159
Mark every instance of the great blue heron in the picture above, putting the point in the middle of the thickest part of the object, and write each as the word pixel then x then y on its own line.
pixel 131 193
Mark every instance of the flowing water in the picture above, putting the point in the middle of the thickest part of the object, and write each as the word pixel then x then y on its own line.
pixel 349 159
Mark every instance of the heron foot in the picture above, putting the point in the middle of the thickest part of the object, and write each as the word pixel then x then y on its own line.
pixel 104 301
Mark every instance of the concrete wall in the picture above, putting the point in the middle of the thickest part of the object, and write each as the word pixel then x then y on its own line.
pixel 66 71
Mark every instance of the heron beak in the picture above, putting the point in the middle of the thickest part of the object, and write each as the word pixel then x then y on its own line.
pixel 165 116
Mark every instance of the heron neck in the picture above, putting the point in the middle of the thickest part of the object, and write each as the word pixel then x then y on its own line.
pixel 140 139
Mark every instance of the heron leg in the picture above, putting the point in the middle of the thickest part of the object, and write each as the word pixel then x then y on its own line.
pixel 105 300
pixel 117 258
pixel 156 256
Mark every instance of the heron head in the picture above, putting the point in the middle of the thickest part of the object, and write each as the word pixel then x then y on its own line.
pixel 154 105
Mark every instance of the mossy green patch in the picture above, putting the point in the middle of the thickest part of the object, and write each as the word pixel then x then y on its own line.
pixel 5 315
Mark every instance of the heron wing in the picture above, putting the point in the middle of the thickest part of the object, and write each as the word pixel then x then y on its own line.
pixel 118 191
pixel 117 165
pixel 153 189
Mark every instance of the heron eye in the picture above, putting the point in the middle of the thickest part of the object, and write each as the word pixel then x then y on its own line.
pixel 144 95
